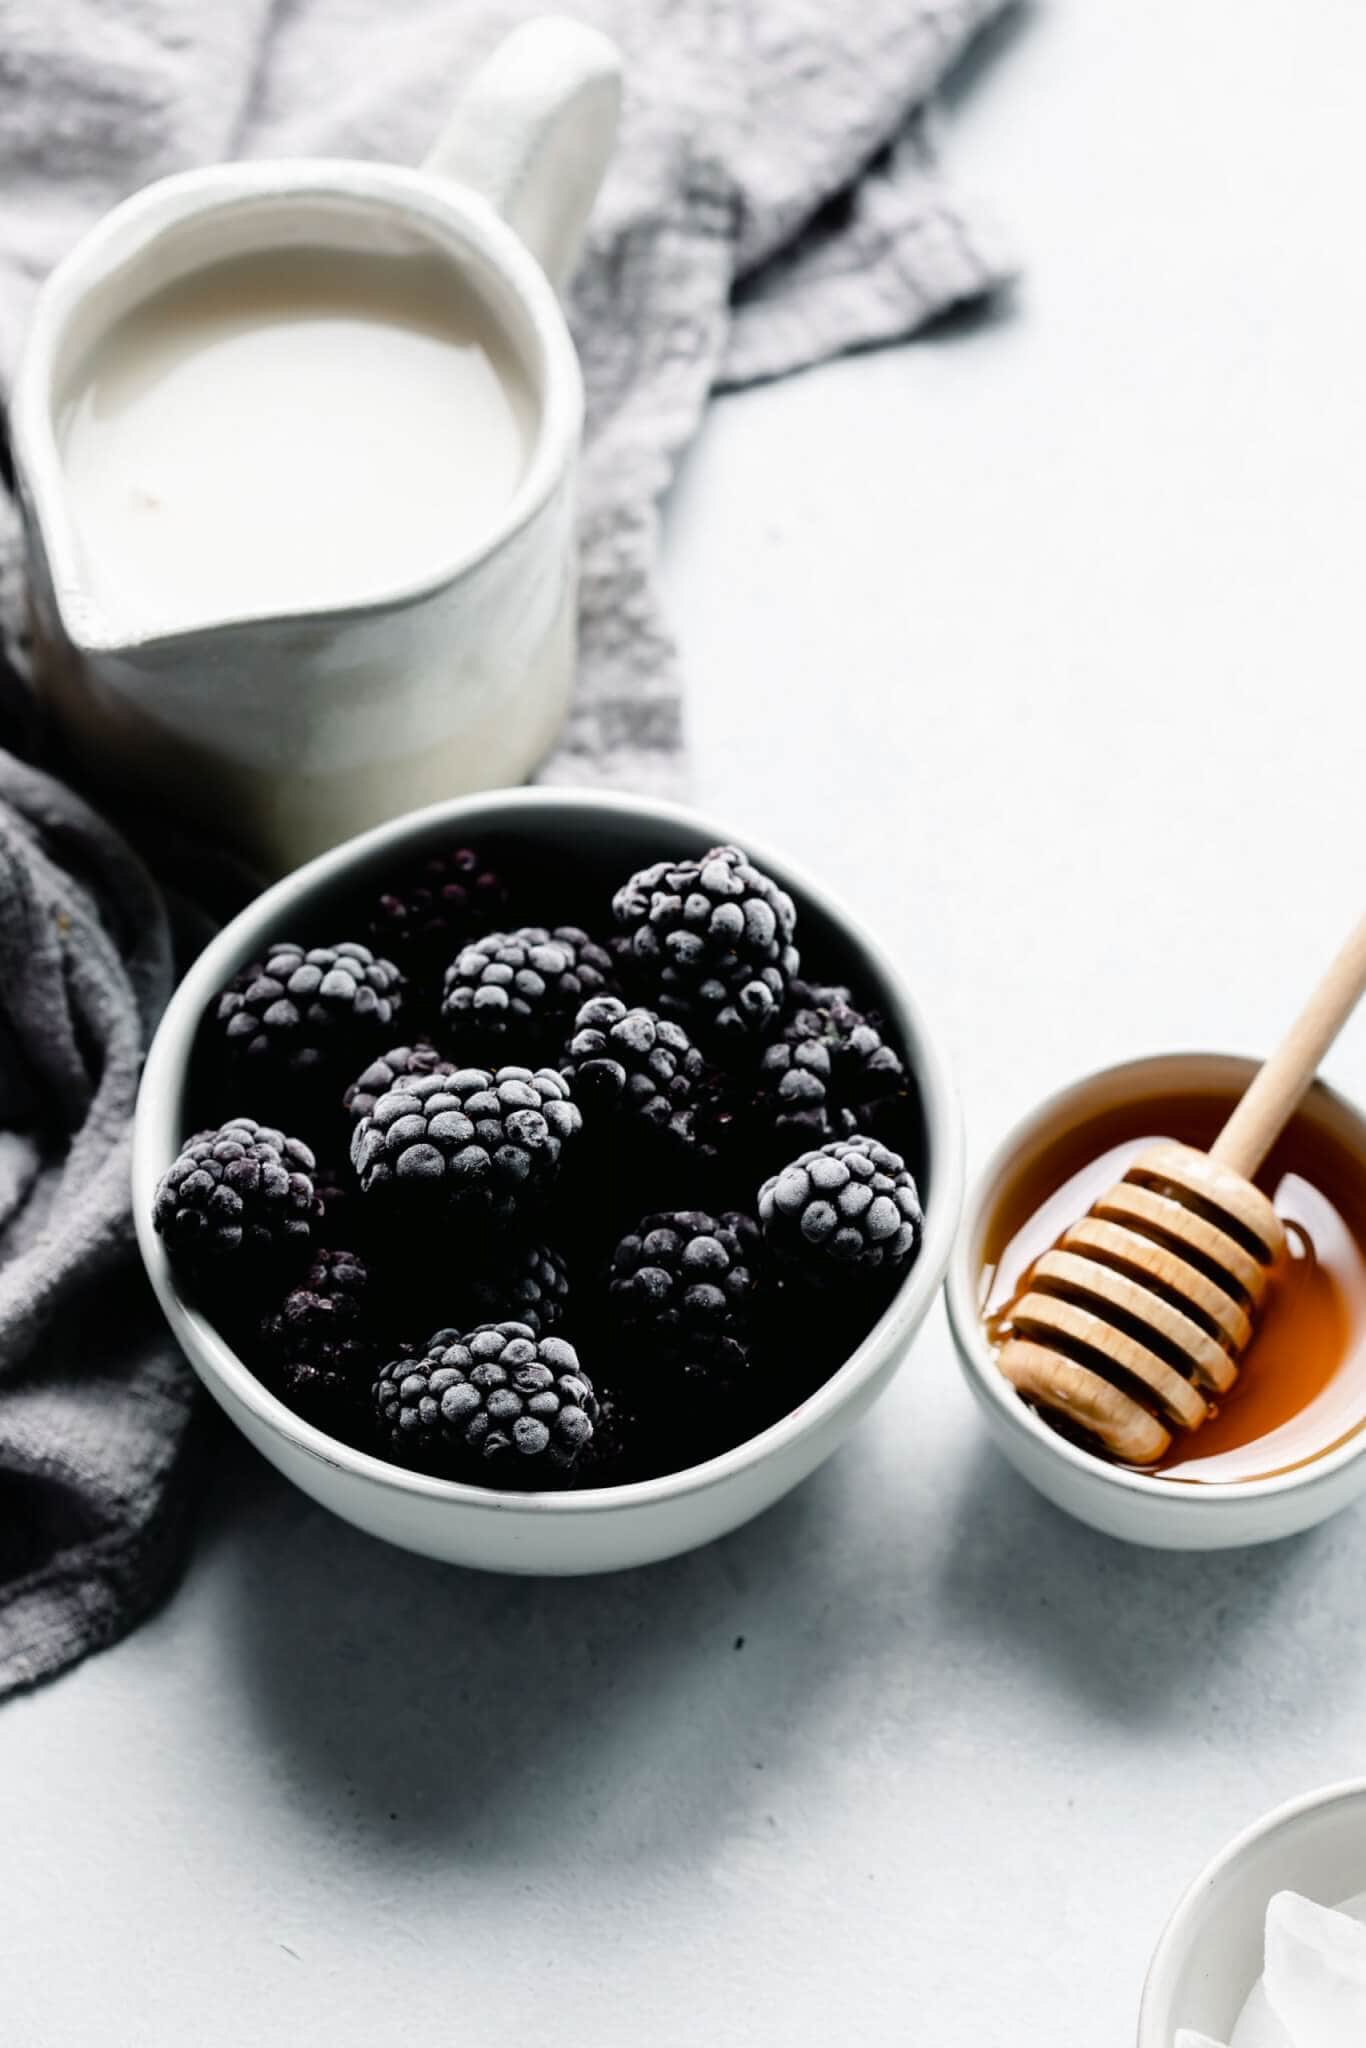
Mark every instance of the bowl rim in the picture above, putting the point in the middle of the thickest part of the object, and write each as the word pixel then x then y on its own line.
pixel 210 1351
pixel 988 1384
pixel 1154 2013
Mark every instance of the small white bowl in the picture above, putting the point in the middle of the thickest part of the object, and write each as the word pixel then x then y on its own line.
pixel 1165 1514
pixel 597 1529
pixel 1210 1953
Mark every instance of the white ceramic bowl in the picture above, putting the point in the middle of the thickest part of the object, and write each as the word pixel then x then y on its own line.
pixel 599 1529
pixel 1166 1514
pixel 1210 1954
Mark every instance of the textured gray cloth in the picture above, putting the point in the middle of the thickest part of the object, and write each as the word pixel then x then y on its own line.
pixel 94 1404
pixel 774 200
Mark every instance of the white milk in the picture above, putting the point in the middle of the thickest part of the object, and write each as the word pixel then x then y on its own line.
pixel 290 431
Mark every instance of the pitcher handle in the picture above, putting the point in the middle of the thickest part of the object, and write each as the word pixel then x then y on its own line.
pixel 533 130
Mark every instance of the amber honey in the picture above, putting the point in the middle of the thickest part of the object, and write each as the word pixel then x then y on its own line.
pixel 1302 1388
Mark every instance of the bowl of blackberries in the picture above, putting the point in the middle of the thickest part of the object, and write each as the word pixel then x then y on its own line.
pixel 545 1181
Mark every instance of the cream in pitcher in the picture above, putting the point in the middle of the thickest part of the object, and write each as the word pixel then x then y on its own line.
pixel 290 430
pixel 296 445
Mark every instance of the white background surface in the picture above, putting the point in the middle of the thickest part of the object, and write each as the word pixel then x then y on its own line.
pixel 1043 641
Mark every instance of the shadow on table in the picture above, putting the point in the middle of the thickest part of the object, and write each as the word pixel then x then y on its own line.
pixel 986 52
pixel 1137 1633
pixel 511 1719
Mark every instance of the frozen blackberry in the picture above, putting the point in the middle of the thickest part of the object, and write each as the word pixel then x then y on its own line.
pixel 500 1405
pixel 318 1348
pixel 483 1144
pixel 685 1285
pixel 713 939
pixel 638 1063
pixel 527 1283
pixel 238 1199
pixel 401 1063
pixel 846 1211
pixel 309 1013
pixel 516 991
pixel 435 906
pixel 827 1068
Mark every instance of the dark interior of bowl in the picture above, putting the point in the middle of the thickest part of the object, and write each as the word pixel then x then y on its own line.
pixel 666 1396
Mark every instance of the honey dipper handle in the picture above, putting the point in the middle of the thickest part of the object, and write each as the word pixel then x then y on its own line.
pixel 1279 1088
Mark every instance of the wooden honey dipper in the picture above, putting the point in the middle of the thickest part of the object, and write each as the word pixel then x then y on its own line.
pixel 1141 1313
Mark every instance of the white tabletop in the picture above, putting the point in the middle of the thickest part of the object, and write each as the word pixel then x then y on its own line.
pixel 1050 626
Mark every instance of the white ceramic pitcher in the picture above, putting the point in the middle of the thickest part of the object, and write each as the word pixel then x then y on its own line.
pixel 292 731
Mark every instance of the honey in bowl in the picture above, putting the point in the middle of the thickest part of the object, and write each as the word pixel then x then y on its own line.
pixel 1302 1388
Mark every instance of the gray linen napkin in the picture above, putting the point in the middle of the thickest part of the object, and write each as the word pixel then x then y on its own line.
pixel 774 200
pixel 94 1406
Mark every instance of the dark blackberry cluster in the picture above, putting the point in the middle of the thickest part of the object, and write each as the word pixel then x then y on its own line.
pixel 714 939
pixel 844 1211
pixel 319 1345
pixel 645 1192
pixel 644 1066
pixel 500 1405
pixel 237 1198
pixel 470 1143
pixel 436 906
pixel 522 987
pixel 308 1013
pixel 527 1282
pixel 828 1072
pixel 687 1289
